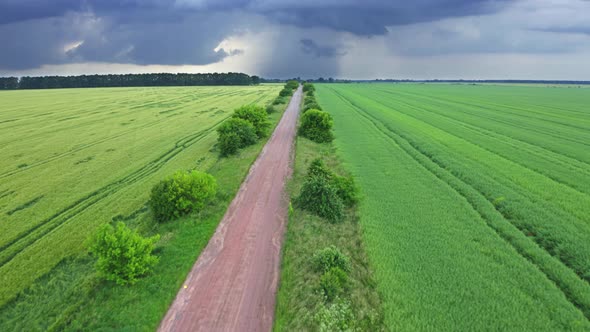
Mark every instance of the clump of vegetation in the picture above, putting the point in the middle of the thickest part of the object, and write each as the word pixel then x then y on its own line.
pixel 333 282
pixel 291 85
pixel 309 100
pixel 285 92
pixel 337 316
pixel 123 255
pixel 311 106
pixel 257 116
pixel 346 189
pixel 325 193
pixel 182 193
pixel 319 197
pixel 330 257
pixel 279 100
pixel 235 134
pixel 317 167
pixel 307 87
pixel 270 109
pixel 316 126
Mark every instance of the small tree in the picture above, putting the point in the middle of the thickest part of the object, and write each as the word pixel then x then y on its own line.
pixel 235 134
pixel 311 106
pixel 182 193
pixel 308 87
pixel 285 92
pixel 320 198
pixel 291 85
pixel 309 100
pixel 345 186
pixel 317 126
pixel 257 116
pixel 122 255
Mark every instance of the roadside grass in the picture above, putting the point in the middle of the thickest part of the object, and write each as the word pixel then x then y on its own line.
pixel 71 297
pixel 299 296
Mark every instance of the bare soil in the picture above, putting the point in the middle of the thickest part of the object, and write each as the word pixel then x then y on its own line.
pixel 233 284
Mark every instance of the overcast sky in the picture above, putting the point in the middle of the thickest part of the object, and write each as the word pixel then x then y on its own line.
pixel 362 39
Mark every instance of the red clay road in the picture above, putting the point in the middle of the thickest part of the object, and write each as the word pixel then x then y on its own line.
pixel 233 284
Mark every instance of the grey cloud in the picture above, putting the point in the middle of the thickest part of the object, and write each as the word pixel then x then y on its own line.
pixel 188 39
pixel 311 47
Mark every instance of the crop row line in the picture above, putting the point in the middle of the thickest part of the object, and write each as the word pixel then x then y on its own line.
pixel 501 121
pixel 9 250
pixel 503 139
pixel 576 290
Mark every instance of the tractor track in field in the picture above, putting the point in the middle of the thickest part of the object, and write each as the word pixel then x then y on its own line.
pixel 94 143
pixel 233 284
pixel 12 248
pixel 406 145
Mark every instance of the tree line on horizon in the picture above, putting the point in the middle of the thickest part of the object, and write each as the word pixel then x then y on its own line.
pixel 126 80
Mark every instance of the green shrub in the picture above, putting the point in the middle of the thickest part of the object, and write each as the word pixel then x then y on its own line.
pixel 330 257
pixel 337 316
pixel 346 189
pixel 279 100
pixel 308 87
pixel 317 126
pixel 122 255
pixel 235 134
pixel 318 168
pixel 270 109
pixel 182 193
pixel 311 106
pixel 292 85
pixel 332 282
pixel 257 116
pixel 319 197
pixel 309 100
pixel 286 92
pixel 310 93
pixel 345 186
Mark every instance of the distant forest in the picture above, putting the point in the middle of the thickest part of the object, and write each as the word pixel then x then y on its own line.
pixel 126 80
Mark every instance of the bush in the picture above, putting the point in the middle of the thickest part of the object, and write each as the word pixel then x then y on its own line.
pixel 123 255
pixel 308 87
pixel 332 282
pixel 257 116
pixel 310 93
pixel 318 168
pixel 270 109
pixel 346 189
pixel 345 186
pixel 286 92
pixel 320 198
pixel 309 100
pixel 330 257
pixel 337 316
pixel 182 193
pixel 311 106
pixel 292 85
pixel 279 100
pixel 317 126
pixel 235 134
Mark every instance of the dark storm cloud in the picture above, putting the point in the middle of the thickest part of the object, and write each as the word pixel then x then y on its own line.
pixel 311 47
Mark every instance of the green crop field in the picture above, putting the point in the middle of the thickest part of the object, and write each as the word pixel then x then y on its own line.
pixel 76 158
pixel 476 210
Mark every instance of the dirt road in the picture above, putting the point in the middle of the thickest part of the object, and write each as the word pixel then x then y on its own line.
pixel 233 284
